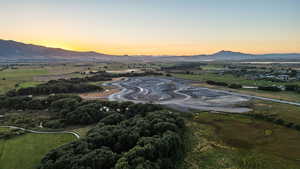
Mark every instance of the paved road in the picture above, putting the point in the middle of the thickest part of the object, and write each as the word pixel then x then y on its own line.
pixel 259 97
pixel 43 132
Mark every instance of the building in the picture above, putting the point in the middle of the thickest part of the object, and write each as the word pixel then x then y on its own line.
pixel 283 77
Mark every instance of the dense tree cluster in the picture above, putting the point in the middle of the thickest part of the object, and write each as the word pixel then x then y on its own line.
pixel 123 140
pixel 235 86
pixel 55 86
pixel 292 87
pixel 269 88
pixel 210 82
pixel 71 111
pixel 216 83
pixel 132 74
pixel 7 134
pixel 184 66
pixel 30 103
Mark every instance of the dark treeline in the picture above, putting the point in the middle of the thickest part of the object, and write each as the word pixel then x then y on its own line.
pixel 233 85
pixel 127 135
pixel 269 88
pixel 210 82
pixel 30 103
pixel 184 66
pixel 55 86
pixel 105 76
pixel 292 87
pixel 71 109
pixel 266 88
pixel 150 140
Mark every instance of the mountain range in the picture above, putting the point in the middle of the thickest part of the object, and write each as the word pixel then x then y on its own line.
pixel 17 51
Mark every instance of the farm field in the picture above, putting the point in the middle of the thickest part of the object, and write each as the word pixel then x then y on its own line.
pixel 30 76
pixel 26 151
pixel 9 78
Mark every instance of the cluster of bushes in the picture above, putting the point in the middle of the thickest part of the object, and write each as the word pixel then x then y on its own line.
pixel 184 66
pixel 132 74
pixel 211 82
pixel 269 88
pixel 94 78
pixel 30 103
pixel 7 134
pixel 273 119
pixel 233 85
pixel 295 88
pixel 55 86
pixel 72 111
pixel 105 76
pixel 151 140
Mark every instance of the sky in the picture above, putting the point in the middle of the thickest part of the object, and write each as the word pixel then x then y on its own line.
pixel 155 27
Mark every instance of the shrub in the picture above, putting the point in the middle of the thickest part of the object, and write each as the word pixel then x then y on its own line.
pixel 210 82
pixel 54 124
pixel 291 87
pixel 235 86
pixel 269 88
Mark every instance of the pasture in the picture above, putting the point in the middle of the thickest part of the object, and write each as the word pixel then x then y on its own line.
pixel 26 151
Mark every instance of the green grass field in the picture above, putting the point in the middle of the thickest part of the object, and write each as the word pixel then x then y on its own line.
pixel 26 151
pixel 288 113
pixel 218 141
pixel 28 84
pixel 10 77
pixel 227 78
pixel 24 76
pixel 212 67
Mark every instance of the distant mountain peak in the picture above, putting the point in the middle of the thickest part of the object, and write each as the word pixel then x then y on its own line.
pixel 227 52
pixel 17 51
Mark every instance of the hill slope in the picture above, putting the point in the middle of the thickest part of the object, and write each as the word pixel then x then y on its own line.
pixel 17 51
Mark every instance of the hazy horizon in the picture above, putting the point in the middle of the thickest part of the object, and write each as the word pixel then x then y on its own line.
pixel 154 27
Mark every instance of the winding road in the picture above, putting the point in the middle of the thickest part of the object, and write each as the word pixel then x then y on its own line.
pixel 43 132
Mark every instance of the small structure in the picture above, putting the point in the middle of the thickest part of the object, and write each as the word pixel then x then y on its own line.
pixel 283 77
